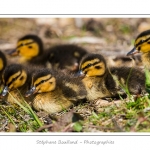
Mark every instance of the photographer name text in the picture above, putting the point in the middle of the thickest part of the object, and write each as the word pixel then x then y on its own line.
pixel 90 142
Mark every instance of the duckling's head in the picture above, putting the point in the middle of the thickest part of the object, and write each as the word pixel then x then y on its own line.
pixel 92 65
pixel 142 43
pixel 14 76
pixel 28 47
pixel 3 61
pixel 42 81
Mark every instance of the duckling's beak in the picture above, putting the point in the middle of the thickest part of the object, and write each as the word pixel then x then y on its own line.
pixel 80 73
pixel 5 91
pixel 13 52
pixel 31 91
pixel 132 52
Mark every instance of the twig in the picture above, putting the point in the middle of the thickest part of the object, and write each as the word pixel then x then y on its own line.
pixel 43 127
pixel 67 127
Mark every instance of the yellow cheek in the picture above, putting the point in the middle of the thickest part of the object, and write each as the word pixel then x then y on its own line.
pixel 145 48
pixel 1 64
pixel 13 86
pixel 17 84
pixel 95 72
pixel 27 52
pixel 47 87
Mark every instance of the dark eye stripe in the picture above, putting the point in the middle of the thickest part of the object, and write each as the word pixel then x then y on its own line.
pixel 14 79
pixel 42 81
pixel 25 44
pixel 90 65
pixel 141 42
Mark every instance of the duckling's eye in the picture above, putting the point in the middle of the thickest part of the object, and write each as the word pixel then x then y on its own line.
pixel 21 78
pixel 89 65
pixel 13 79
pixel 98 67
pixel 142 41
pixel 22 44
pixel 42 81
pixel 29 46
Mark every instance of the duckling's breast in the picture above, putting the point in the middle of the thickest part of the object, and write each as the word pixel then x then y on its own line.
pixel 51 103
pixel 17 95
pixel 96 88
pixel 14 96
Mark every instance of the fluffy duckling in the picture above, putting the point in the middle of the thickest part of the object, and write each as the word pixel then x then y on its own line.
pixel 115 61
pixel 142 45
pixel 66 57
pixel 3 64
pixel 30 48
pixel 15 79
pixel 54 92
pixel 102 82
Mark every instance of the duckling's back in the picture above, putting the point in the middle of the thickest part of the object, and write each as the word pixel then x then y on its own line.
pixel 66 56
pixel 72 87
pixel 133 79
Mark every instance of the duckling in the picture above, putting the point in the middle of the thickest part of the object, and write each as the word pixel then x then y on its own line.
pixel 115 61
pixel 55 92
pixel 66 57
pixel 142 45
pixel 15 79
pixel 30 48
pixel 3 64
pixel 103 82
pixel 3 61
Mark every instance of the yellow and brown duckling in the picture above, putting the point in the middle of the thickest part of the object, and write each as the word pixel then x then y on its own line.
pixel 55 93
pixel 121 61
pixel 142 45
pixel 15 78
pixel 102 82
pixel 3 64
pixel 66 57
pixel 31 50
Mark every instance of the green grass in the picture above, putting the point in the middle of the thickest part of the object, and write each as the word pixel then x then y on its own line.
pixel 21 116
pixel 128 117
